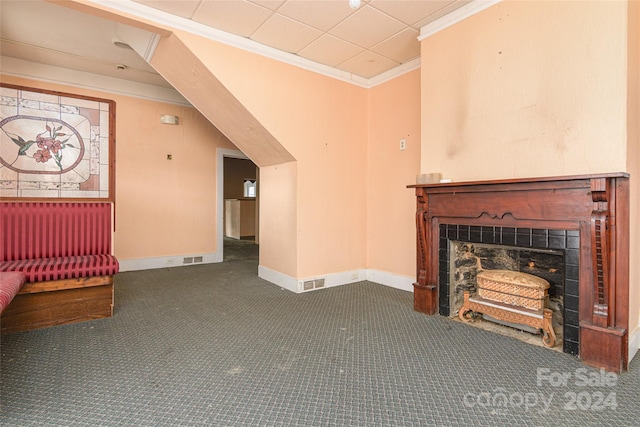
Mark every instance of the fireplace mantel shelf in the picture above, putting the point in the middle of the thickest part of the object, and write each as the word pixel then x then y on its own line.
pixel 597 205
pixel 445 185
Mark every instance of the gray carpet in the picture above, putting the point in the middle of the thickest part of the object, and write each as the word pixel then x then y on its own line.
pixel 213 345
pixel 243 249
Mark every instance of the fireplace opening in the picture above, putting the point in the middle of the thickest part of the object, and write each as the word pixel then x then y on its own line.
pixel 550 254
pixel 467 259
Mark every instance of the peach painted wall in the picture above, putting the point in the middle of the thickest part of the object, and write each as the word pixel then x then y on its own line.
pixel 633 154
pixel 163 207
pixel 526 89
pixel 278 218
pixel 394 114
pixel 181 66
pixel 322 122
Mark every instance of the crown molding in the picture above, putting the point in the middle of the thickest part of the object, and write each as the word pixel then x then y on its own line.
pixel 405 68
pixel 171 21
pixel 454 17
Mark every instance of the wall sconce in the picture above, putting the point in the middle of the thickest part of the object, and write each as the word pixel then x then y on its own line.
pixel 168 119
pixel 354 4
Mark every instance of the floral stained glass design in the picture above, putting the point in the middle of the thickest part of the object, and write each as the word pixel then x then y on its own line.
pixel 55 145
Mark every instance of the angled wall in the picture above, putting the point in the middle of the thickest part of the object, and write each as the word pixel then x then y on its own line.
pixel 186 72
pixel 276 113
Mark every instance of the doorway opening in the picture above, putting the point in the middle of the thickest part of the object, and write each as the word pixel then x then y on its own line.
pixel 238 206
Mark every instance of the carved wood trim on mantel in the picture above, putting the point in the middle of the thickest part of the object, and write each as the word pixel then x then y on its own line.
pixel 596 205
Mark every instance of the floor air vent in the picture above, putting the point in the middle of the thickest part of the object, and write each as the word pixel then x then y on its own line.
pixel 308 285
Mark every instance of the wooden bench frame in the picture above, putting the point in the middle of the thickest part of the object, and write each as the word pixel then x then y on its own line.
pixel 58 302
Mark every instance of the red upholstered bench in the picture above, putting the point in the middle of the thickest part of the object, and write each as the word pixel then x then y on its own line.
pixel 64 251
pixel 10 284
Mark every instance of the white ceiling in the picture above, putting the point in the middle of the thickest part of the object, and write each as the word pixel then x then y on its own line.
pixel 377 37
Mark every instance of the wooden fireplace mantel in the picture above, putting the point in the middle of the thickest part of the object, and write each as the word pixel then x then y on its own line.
pixel 596 205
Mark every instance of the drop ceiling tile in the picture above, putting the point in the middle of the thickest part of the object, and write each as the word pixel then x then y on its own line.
pixel 183 8
pixel 285 34
pixel 233 16
pixel 320 14
pixel 387 28
pixel 367 64
pixel 269 4
pixel 402 47
pixel 367 27
pixel 410 11
pixel 329 50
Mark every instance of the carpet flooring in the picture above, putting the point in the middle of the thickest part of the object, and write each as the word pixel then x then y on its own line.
pixel 214 345
pixel 236 250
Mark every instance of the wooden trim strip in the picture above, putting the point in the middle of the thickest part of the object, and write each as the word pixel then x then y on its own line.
pixel 58 285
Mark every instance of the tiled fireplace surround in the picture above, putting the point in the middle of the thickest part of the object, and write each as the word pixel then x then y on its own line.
pixel 586 216
pixel 567 241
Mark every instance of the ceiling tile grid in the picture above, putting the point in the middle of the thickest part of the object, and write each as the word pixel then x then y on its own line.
pixel 361 45
pixel 285 34
pixel 376 37
pixel 329 50
pixel 242 18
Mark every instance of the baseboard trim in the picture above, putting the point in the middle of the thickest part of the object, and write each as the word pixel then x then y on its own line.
pixel 167 261
pixel 634 343
pixel 336 279
pixel 280 279
pixel 285 281
pixel 392 280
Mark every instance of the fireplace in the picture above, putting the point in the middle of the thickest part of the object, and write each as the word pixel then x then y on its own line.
pixel 583 219
pixel 552 255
